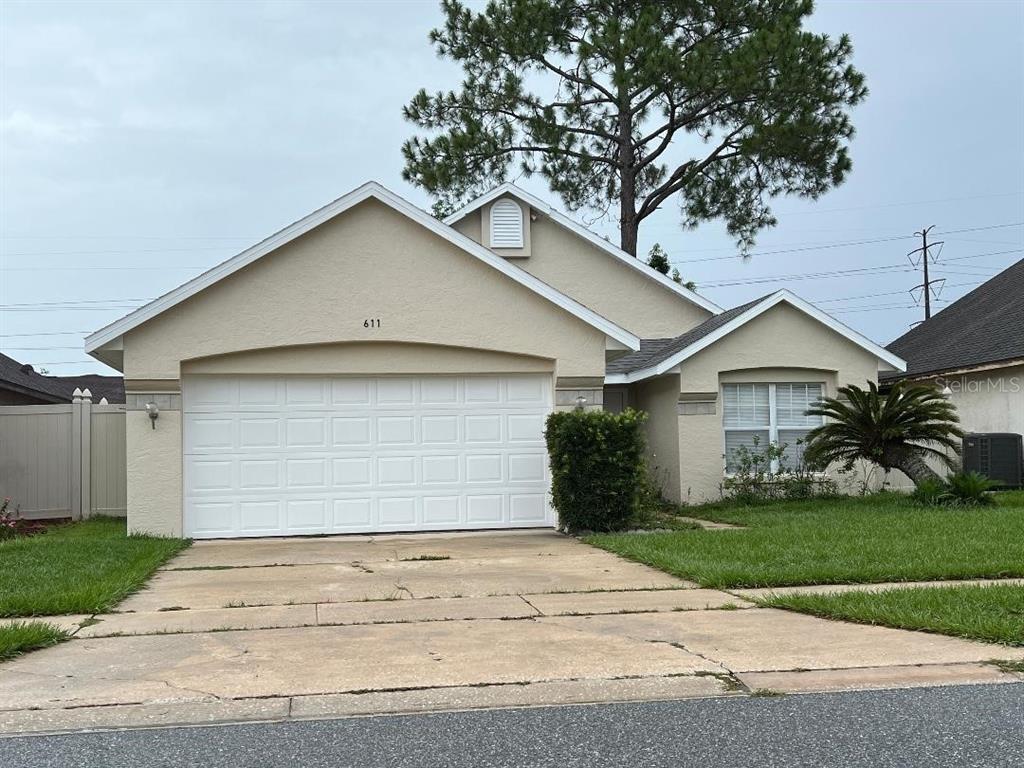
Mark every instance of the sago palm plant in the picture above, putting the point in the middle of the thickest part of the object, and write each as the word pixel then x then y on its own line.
pixel 898 430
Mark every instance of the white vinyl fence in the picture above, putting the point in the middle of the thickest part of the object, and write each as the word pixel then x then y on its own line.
pixel 65 460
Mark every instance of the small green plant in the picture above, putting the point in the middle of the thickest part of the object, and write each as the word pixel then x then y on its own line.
pixel 598 473
pixel 960 489
pixel 968 489
pixel 929 492
pixel 760 475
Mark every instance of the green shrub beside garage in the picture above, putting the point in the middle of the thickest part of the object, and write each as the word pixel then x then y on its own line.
pixel 597 468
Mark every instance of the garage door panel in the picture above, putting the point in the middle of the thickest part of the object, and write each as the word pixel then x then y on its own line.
pixel 395 391
pixel 397 511
pixel 352 472
pixel 213 393
pixel 441 510
pixel 525 428
pixel 259 517
pixel 439 430
pixel 259 432
pixel 306 514
pixel 439 391
pixel 482 508
pixel 309 432
pixel 258 392
pixel 351 431
pixel 396 430
pixel 483 429
pixel 214 432
pixel 276 456
pixel 527 507
pixel 356 514
pixel 259 474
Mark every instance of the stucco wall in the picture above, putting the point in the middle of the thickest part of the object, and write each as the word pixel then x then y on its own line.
pixel 781 345
pixel 658 398
pixel 366 264
pixel 369 358
pixel 599 281
pixel 154 473
pixel 988 401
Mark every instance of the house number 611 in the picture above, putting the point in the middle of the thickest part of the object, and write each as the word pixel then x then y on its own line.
pixel 373 322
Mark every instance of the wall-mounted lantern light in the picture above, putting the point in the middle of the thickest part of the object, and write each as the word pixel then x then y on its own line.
pixel 154 413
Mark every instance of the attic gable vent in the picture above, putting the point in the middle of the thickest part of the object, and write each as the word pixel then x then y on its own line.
pixel 506 224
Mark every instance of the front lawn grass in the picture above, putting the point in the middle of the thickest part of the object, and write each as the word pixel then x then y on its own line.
pixel 20 637
pixel 993 613
pixel 884 537
pixel 84 567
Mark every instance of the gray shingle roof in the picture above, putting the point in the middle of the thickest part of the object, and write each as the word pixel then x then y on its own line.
pixel 57 389
pixel 654 351
pixel 985 326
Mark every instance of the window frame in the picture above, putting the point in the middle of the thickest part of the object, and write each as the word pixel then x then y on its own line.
pixel 773 427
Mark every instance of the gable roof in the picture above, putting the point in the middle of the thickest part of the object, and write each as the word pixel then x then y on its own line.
pixel 658 356
pixel 23 378
pixel 984 326
pixel 592 237
pixel 372 189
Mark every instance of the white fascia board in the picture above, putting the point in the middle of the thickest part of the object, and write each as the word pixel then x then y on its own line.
pixel 740 320
pixel 591 237
pixel 318 217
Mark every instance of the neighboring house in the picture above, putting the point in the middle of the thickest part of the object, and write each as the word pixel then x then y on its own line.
pixel 975 348
pixel 370 368
pixel 20 384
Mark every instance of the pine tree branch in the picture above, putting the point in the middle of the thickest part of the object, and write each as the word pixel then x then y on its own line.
pixel 679 177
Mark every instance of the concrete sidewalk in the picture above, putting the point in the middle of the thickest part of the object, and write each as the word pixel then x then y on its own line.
pixel 271 629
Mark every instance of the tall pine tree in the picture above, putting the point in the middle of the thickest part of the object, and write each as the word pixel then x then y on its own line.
pixel 625 105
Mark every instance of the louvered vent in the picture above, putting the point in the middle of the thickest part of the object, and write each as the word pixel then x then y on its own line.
pixel 506 225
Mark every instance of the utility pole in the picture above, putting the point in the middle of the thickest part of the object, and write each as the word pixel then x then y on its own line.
pixel 926 286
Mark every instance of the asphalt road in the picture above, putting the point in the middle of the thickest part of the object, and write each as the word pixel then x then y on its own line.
pixel 965 727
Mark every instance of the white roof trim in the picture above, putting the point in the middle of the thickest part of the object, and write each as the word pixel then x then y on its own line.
pixel 586 234
pixel 758 309
pixel 375 190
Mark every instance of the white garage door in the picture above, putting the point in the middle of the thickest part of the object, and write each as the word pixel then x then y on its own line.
pixel 268 456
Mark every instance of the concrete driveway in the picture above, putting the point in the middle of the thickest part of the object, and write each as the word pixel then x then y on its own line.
pixel 278 628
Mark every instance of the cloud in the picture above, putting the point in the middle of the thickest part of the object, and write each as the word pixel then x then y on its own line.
pixel 22 126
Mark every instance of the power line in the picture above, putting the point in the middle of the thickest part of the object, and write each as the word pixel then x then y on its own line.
pixel 880 269
pixel 904 203
pixel 888 293
pixel 841 244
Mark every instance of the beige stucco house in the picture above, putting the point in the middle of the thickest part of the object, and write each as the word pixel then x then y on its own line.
pixel 370 368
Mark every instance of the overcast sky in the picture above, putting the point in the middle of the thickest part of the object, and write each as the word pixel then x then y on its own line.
pixel 141 143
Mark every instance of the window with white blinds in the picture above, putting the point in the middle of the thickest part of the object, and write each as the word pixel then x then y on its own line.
pixel 768 413
pixel 506 224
